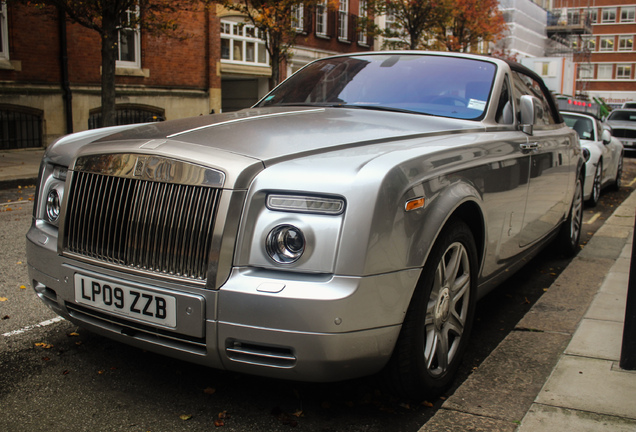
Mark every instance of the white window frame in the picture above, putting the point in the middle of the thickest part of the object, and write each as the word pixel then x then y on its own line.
pixel 343 20
pixel 589 43
pixel 4 32
pixel 298 17
pixel 239 37
pixel 626 43
pixel 586 71
pixel 606 44
pixel 605 72
pixel 136 49
pixel 628 14
pixel 608 15
pixel 574 16
pixel 362 13
pixel 321 18
pixel 621 69
pixel 593 14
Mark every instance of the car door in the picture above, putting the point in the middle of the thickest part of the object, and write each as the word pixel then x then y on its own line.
pixel 550 149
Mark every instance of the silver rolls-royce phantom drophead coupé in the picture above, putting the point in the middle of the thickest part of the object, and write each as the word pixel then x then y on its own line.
pixel 344 225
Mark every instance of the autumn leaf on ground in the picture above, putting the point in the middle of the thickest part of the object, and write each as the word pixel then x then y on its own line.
pixel 73 334
pixel 209 391
pixel 185 416
pixel 43 345
pixel 6 317
pixel 22 286
pixel 3 299
pixel 427 404
pixel 298 413
pixel 100 372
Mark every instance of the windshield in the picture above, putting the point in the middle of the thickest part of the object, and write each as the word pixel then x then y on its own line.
pixel 437 85
pixel 622 116
pixel 584 126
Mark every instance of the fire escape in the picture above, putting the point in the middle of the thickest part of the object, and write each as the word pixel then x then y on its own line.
pixel 569 32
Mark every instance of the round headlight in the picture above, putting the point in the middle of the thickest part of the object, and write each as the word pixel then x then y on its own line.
pixel 53 206
pixel 285 244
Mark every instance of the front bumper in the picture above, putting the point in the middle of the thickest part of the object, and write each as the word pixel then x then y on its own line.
pixel 291 326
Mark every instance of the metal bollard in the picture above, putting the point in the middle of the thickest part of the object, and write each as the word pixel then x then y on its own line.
pixel 628 349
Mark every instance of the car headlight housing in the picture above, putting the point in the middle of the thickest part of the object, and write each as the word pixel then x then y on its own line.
pixel 53 206
pixel 52 192
pixel 298 232
pixel 285 244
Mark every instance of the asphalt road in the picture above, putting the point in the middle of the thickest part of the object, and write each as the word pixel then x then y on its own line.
pixel 55 376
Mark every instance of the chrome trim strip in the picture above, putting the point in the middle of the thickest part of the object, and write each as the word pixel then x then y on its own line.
pixel 150 168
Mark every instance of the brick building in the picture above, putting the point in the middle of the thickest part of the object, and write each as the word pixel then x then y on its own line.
pixel 50 68
pixel 605 56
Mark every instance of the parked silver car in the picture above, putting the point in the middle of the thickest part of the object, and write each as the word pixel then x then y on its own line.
pixel 623 124
pixel 344 225
pixel 604 166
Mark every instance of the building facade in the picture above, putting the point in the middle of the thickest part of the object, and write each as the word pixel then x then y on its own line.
pixel 50 67
pixel 605 57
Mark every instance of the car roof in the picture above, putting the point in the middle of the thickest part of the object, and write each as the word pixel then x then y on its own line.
pixel 580 114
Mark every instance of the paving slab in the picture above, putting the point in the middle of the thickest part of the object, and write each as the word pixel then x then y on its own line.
pixel 553 419
pixel 608 306
pixel 451 421
pixel 593 385
pixel 562 307
pixel 597 339
pixel 506 384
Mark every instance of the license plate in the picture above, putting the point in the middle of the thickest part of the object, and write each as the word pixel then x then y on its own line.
pixel 131 302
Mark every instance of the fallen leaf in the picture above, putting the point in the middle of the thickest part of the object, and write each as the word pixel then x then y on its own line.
pixel 3 299
pixel 219 423
pixel 22 287
pixel 209 391
pixel 6 317
pixel 46 358
pixel 185 417
pixel 298 413
pixel 73 334
pixel 100 372
pixel 43 345
pixel 427 404
pixel 66 372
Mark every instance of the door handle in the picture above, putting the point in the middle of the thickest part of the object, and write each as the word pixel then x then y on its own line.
pixel 527 147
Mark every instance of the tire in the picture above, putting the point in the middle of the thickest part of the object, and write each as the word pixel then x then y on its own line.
pixel 596 185
pixel 618 182
pixel 570 234
pixel 439 319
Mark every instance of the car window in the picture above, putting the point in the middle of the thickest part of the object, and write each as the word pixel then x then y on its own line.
pixel 504 114
pixel 622 116
pixel 428 84
pixel 584 126
pixel 526 85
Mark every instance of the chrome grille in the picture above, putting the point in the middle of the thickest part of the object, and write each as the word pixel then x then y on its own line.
pixel 624 133
pixel 164 228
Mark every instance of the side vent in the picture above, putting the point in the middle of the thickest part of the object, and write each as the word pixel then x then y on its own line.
pixel 263 355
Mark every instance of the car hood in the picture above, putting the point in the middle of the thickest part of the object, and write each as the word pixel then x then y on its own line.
pixel 622 124
pixel 259 137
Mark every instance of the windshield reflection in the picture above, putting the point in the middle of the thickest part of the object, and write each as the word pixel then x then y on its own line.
pixel 424 84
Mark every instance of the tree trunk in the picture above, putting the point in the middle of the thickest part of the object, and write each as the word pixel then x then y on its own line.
pixel 109 59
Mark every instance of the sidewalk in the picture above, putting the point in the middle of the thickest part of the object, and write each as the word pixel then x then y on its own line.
pixel 559 370
pixel 18 166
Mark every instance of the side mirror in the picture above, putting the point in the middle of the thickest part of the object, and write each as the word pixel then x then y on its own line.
pixel 531 111
pixel 606 136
